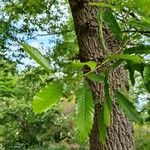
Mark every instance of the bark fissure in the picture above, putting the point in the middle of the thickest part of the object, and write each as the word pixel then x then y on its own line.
pixel 90 48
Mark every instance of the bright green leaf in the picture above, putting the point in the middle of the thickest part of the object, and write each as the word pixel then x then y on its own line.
pixel 106 91
pixel 47 97
pixel 79 65
pixel 106 114
pixel 85 110
pixel 91 64
pixel 108 102
pixel 126 57
pixel 37 56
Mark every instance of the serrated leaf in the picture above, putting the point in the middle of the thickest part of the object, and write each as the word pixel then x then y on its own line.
pixel 85 110
pixel 127 57
pixel 106 114
pixel 128 108
pixel 102 128
pixel 112 24
pixel 101 4
pixel 140 49
pixel 95 77
pixel 37 56
pixel 47 97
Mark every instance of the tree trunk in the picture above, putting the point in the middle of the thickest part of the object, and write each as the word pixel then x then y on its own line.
pixel 90 48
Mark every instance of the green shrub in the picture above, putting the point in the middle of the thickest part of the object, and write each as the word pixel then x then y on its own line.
pixel 142 137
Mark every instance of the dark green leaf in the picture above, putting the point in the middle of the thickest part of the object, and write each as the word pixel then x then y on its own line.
pixel 116 64
pixel 102 128
pixel 147 74
pixel 140 49
pixel 128 107
pixel 132 67
pixel 112 24
pixel 147 85
pixel 131 75
pixel 95 77
pixel 85 110
pixel 147 77
pixel 141 25
pixel 37 56
pixel 47 97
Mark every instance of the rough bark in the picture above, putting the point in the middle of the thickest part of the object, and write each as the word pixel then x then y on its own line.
pixel 90 48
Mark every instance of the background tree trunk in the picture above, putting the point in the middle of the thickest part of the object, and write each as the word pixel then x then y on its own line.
pixel 90 48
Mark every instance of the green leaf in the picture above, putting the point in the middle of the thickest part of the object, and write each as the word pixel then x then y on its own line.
pixel 127 57
pixel 141 25
pixel 131 70
pixel 112 24
pixel 95 77
pixel 128 107
pixel 131 75
pixel 147 77
pixel 139 67
pixel 47 97
pixel 85 110
pixel 132 67
pixel 108 102
pixel 106 91
pixel 116 64
pixel 79 65
pixel 37 56
pixel 101 4
pixel 140 49
pixel 91 64
pixel 102 128
pixel 147 74
pixel 106 114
